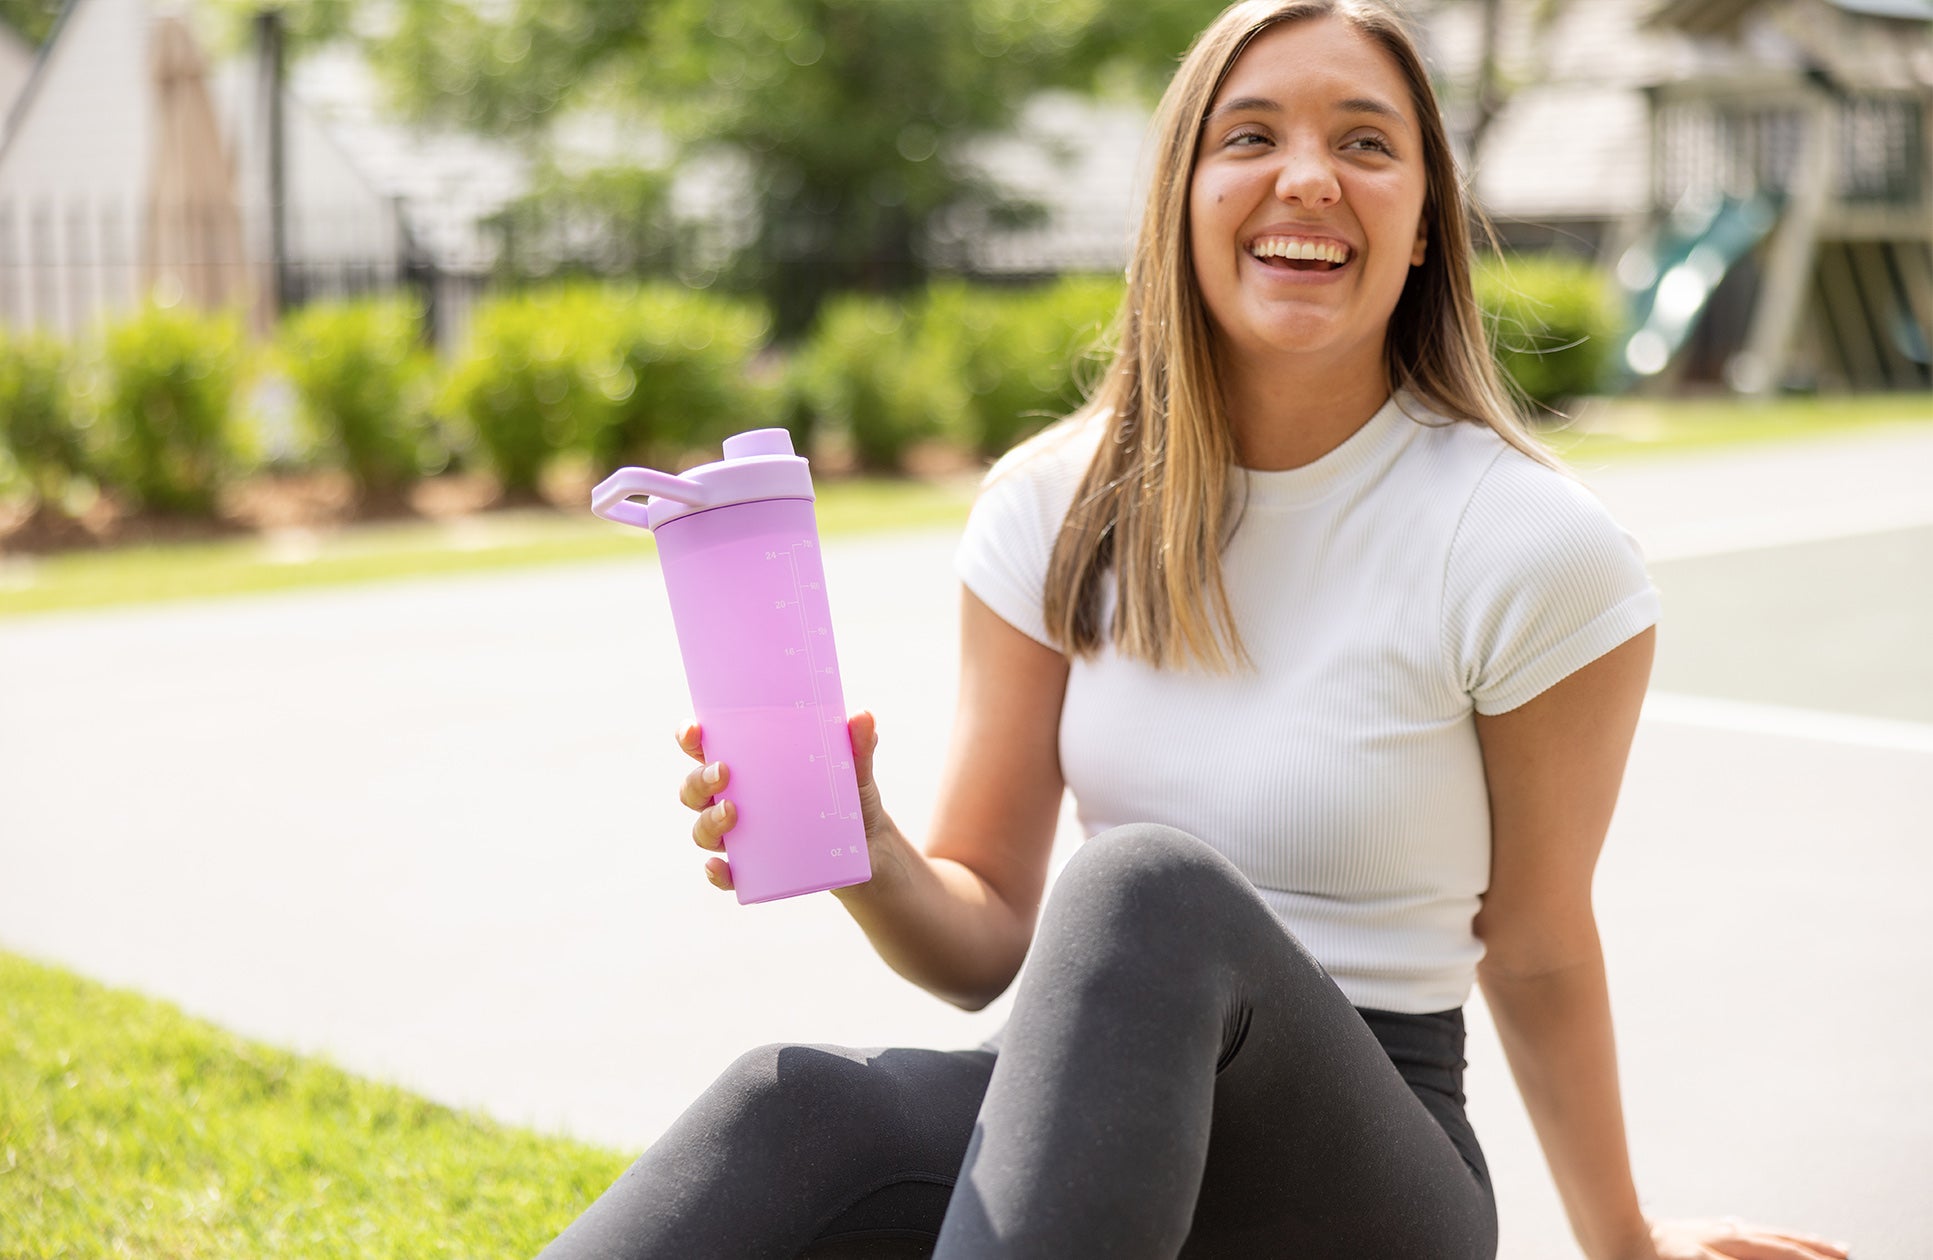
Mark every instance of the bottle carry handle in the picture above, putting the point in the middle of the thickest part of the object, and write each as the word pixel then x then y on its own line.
pixel 612 498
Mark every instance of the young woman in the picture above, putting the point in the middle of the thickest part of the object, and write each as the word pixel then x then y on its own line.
pixel 1342 670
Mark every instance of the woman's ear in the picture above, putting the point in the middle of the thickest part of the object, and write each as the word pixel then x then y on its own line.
pixel 1422 243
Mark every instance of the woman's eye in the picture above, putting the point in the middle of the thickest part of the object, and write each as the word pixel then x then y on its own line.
pixel 1375 144
pixel 1243 139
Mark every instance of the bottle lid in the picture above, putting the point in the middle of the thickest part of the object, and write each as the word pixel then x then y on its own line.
pixel 758 464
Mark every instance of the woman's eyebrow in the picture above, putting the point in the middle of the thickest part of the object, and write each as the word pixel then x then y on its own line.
pixel 1352 105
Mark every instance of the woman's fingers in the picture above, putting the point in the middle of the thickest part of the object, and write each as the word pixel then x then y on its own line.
pixel 698 787
pixel 713 822
pixel 1749 1242
pixel 699 791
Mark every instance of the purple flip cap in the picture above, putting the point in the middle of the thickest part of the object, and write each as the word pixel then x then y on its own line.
pixel 758 464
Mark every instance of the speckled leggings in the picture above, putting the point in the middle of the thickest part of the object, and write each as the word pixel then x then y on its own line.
pixel 1178 1077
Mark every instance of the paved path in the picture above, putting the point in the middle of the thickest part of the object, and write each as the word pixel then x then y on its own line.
pixel 427 828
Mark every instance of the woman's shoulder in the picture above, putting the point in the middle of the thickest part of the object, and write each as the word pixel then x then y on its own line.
pixel 1494 466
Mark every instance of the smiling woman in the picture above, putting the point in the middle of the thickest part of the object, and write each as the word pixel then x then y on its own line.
pixel 1342 670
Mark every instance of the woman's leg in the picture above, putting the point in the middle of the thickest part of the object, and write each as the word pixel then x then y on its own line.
pixel 1180 1077
pixel 796 1143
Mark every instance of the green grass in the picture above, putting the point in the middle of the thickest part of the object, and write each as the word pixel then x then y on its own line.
pixel 1600 433
pixel 147 574
pixel 130 1129
pixel 1616 429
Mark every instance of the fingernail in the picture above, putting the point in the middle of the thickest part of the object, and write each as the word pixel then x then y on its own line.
pixel 718 812
pixel 714 772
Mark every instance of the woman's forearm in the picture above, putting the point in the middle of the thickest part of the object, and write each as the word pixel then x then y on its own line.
pixel 1556 1032
pixel 937 923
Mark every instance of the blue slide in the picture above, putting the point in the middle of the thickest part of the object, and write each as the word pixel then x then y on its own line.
pixel 1670 277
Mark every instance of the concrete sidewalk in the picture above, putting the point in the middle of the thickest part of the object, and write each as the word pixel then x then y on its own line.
pixel 428 828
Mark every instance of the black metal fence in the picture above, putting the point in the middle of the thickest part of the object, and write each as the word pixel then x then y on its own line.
pixel 67 266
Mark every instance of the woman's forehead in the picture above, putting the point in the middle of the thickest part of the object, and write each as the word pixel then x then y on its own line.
pixel 1324 62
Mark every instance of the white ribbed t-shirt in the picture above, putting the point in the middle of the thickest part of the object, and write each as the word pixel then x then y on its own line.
pixel 1422 571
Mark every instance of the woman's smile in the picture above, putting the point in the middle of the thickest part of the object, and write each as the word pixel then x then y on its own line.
pixel 1299 259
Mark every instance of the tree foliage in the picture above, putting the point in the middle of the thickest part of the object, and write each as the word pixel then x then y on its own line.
pixel 842 123
pixel 33 19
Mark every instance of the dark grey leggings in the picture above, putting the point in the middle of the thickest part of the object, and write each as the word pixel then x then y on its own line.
pixel 1178 1077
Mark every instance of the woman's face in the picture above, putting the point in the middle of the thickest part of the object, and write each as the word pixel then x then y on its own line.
pixel 1307 200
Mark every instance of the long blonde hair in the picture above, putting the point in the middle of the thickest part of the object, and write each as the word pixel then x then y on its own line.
pixel 1153 506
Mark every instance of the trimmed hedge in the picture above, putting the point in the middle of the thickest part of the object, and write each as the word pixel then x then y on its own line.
pixel 978 365
pixel 871 370
pixel 361 378
pixel 41 445
pixel 1552 322
pixel 1027 356
pixel 617 375
pixel 164 398
pixel 653 374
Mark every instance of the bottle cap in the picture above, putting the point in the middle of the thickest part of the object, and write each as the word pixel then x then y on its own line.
pixel 758 464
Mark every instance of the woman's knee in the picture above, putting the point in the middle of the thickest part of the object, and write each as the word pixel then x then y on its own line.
pixel 793 1089
pixel 1145 892
pixel 1144 866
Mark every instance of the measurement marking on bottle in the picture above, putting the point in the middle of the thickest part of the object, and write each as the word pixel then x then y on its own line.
pixel 813 668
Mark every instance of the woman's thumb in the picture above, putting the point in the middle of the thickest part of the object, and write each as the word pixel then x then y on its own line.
pixel 863 728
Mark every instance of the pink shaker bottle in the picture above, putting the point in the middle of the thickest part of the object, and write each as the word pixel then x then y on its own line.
pixel 740 552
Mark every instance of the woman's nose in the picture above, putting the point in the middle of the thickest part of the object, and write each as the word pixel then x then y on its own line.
pixel 1307 177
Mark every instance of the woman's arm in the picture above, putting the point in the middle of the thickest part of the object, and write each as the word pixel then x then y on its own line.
pixel 957 919
pixel 1554 766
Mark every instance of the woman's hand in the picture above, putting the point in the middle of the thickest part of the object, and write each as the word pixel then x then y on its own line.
pixel 700 789
pixel 715 817
pixel 1732 1239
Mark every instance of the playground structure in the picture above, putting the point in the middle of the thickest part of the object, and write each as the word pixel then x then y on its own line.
pixel 1790 241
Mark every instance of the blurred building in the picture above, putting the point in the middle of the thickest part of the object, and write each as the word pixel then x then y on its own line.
pixel 118 115
pixel 1755 171
pixel 16 64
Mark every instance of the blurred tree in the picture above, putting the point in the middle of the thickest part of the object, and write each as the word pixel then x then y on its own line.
pixel 845 118
pixel 305 23
pixel 33 19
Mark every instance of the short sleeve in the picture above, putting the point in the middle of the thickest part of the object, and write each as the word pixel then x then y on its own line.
pixel 1540 581
pixel 1010 534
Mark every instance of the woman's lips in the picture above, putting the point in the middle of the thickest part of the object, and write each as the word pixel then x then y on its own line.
pixel 1285 271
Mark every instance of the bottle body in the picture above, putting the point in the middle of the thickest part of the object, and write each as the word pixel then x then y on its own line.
pixel 754 625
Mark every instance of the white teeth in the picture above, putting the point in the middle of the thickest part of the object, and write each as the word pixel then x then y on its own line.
pixel 1289 247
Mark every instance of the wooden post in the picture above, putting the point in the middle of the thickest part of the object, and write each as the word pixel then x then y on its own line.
pixel 1762 364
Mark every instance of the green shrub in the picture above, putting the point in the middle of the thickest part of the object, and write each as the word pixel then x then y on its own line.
pixel 525 382
pixel 1552 321
pixel 613 374
pixel 167 384
pixel 982 365
pixel 870 369
pixel 38 431
pixel 1026 355
pixel 360 375
pixel 676 372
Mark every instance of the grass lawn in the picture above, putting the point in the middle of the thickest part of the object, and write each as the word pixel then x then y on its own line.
pixel 1600 433
pixel 363 553
pixel 129 1129
pixel 1614 429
